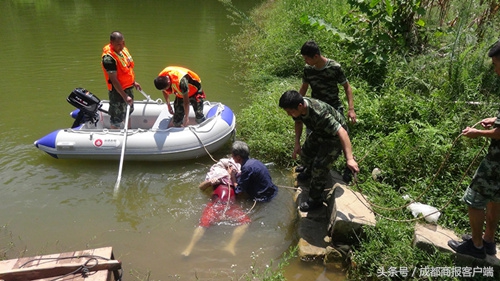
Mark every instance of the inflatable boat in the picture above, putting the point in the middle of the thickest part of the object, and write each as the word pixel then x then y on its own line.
pixel 149 135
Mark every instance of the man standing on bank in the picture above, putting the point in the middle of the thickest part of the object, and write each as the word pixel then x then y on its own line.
pixel 483 194
pixel 118 67
pixel 327 140
pixel 324 75
pixel 186 85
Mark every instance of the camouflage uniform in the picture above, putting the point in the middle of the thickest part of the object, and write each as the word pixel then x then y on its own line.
pixel 485 185
pixel 197 104
pixel 118 107
pixel 324 82
pixel 322 146
pixel 195 100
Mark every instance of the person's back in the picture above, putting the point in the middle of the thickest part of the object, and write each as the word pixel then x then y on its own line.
pixel 256 181
pixel 254 178
pixel 185 84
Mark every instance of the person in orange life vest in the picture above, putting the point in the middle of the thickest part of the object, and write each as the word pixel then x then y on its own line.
pixel 222 206
pixel 186 85
pixel 118 67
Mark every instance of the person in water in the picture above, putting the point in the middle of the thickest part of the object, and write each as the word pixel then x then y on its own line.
pixel 254 178
pixel 222 206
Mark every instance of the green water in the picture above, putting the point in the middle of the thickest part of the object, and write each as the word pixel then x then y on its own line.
pixel 50 47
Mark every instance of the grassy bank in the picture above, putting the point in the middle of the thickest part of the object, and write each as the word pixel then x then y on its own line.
pixel 419 73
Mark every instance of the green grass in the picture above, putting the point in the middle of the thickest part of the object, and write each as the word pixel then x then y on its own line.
pixel 412 103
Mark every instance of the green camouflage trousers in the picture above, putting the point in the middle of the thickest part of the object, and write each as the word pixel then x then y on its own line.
pixel 118 107
pixel 317 155
pixel 197 104
pixel 485 185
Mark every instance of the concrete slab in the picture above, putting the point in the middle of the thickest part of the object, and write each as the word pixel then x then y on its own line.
pixel 349 215
pixel 432 238
pixel 324 231
pixel 342 215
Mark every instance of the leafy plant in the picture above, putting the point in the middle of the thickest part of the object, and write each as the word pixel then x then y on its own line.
pixel 418 81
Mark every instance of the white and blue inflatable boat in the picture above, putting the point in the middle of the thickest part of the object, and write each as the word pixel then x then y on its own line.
pixel 149 137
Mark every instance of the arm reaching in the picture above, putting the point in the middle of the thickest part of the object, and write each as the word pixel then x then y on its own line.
pixel 347 148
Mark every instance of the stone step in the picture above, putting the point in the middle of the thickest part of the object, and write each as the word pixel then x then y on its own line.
pixel 337 223
pixel 432 238
pixel 327 232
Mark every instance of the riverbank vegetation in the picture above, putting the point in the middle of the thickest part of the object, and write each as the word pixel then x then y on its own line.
pixel 420 74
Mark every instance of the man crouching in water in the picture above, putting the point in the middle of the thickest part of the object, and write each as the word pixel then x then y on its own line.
pixel 222 206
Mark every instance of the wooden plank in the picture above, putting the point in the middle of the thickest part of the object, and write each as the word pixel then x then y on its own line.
pixel 99 276
pixel 53 265
pixel 7 265
pixel 103 275
pixel 36 261
pixel 58 270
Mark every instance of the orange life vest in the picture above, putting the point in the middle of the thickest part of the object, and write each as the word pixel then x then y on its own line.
pixel 175 73
pixel 124 66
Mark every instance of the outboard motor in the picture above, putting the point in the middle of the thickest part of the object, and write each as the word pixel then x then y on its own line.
pixel 87 103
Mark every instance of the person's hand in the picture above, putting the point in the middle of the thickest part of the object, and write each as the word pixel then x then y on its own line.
pixel 353 165
pixel 129 101
pixel 296 150
pixel 186 121
pixel 231 170
pixel 488 122
pixel 470 132
pixel 137 86
pixel 351 116
pixel 170 110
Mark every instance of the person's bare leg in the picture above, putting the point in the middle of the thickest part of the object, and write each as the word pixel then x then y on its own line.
pixel 197 234
pixel 492 218
pixel 237 234
pixel 476 220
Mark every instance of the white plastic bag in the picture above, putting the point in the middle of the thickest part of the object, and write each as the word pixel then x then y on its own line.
pixel 417 208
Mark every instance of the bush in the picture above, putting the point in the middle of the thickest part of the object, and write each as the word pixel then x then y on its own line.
pixel 413 97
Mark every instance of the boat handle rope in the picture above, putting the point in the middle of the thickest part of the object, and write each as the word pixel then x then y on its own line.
pixel 106 132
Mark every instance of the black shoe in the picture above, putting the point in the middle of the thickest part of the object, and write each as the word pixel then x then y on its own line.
pixel 303 176
pixel 467 248
pixel 489 247
pixel 310 204
pixel 300 169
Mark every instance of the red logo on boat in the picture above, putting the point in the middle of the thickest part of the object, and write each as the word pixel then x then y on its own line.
pixel 98 142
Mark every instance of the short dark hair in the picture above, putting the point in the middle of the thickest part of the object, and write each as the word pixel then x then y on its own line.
pixel 291 100
pixel 241 149
pixel 310 49
pixel 495 50
pixel 162 82
pixel 116 36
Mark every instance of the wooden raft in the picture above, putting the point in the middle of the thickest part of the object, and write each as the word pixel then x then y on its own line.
pixel 87 265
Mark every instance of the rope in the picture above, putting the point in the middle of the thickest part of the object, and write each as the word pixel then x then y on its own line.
pixel 287 187
pixel 84 268
pixel 425 191
pixel 254 203
pixel 192 129
pixel 204 147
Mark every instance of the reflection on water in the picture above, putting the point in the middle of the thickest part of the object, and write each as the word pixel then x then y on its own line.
pixel 50 47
